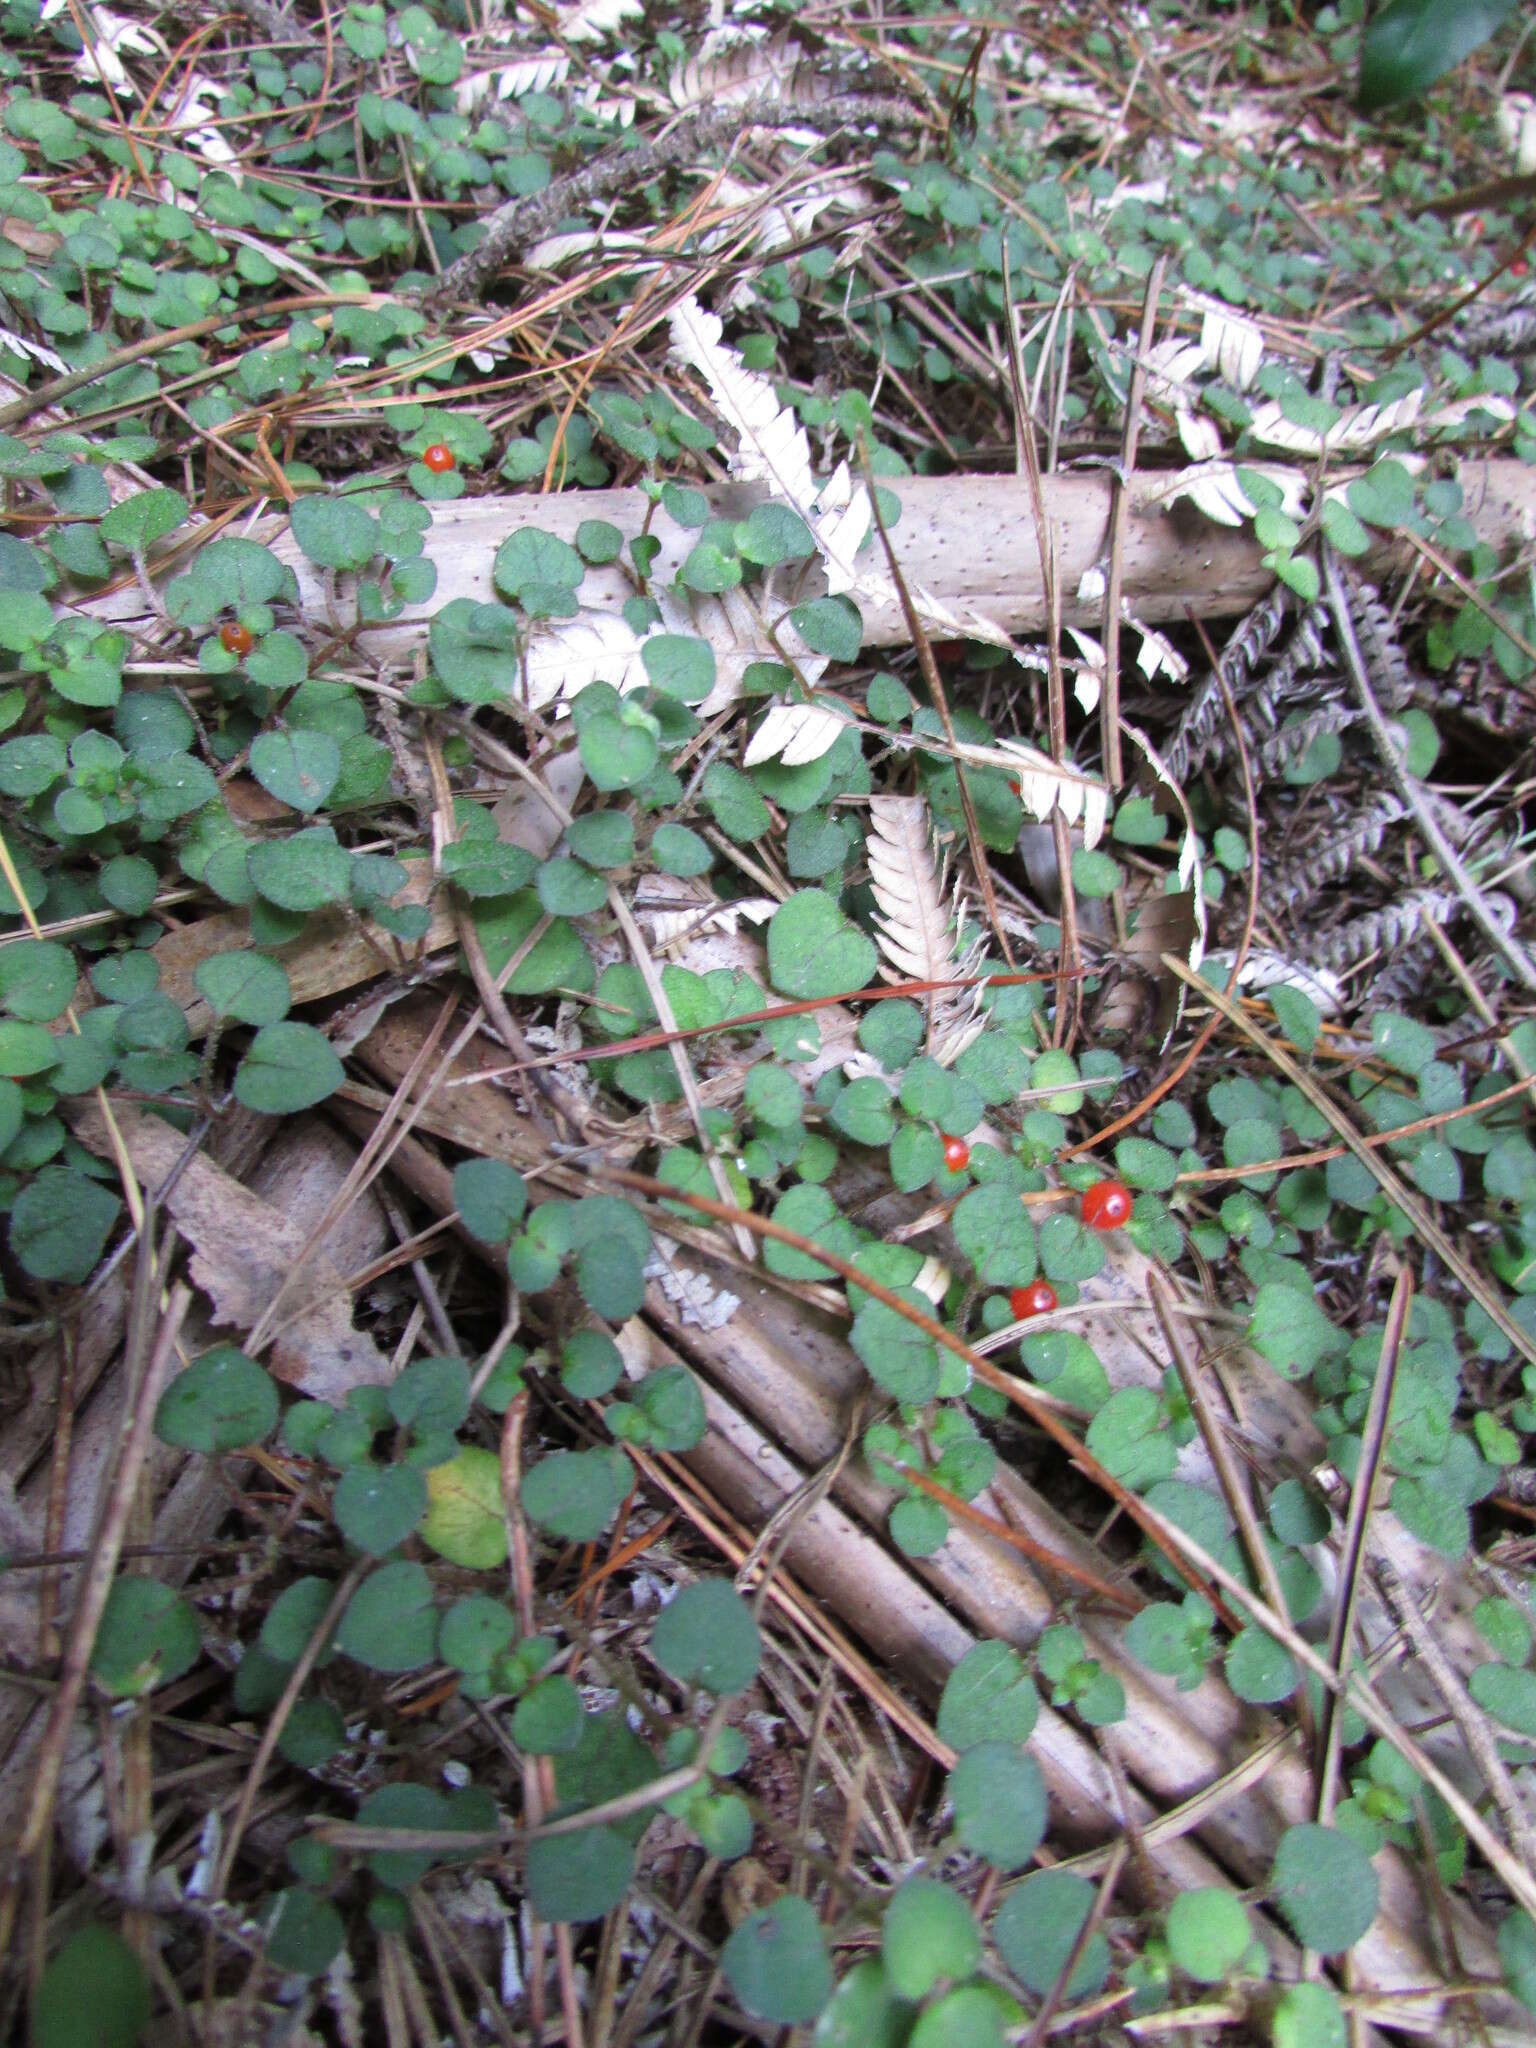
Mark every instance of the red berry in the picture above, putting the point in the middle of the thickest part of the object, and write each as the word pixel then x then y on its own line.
pixel 1519 267
pixel 1107 1205
pixel 236 639
pixel 1038 1299
pixel 957 1154
pixel 439 457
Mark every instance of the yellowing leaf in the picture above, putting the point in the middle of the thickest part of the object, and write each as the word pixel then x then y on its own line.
pixel 464 1518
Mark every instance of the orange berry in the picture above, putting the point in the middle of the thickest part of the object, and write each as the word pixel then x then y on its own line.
pixel 1107 1205
pixel 439 458
pixel 957 1154
pixel 1038 1299
pixel 236 639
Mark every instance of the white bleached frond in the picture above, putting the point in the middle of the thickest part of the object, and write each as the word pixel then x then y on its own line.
pixel 771 443
pixel 1213 488
pixel 841 526
pixel 1272 970
pixel 1201 436
pixel 917 927
pixel 1231 345
pixel 932 1279
pixel 1090 666
pixel 35 349
pixel 1457 411
pixel 912 920
pixel 737 636
pixel 535 73
pixel 733 66
pixel 795 734
pixel 1043 787
pixel 564 655
pixel 1158 655
pixel 556 250
pixel 1167 368
pixel 593 21
pixel 1358 427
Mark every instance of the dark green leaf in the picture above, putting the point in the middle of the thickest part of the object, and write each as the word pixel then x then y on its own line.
pixel 1411 43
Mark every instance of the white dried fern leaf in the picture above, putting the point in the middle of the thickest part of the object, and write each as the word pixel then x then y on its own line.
pixel 1356 428
pixel 733 65
pixel 916 928
pixel 22 347
pixel 1230 345
pixel 567 654
pixel 1213 488
pixel 738 637
pixel 1167 367
pixel 771 443
pixel 537 72
pixel 1043 787
pixel 795 734
pixel 1157 655
pixel 587 243
pixel 592 21
pixel 1272 970
pixel 912 919
pixel 1201 438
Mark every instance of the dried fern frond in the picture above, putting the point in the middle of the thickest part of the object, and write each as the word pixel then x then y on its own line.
pixel 916 927
pixel 1193 741
pixel 1293 881
pixel 912 922
pixel 1385 662
pixel 1276 753
pixel 1387 930
pixel 733 66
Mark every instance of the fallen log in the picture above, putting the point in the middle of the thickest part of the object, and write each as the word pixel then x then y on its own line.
pixel 969 541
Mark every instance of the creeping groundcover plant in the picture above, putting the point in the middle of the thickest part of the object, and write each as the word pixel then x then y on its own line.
pixel 767 1014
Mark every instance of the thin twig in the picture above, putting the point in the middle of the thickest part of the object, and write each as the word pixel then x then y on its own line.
pixel 1373 1438
pixel 1109 689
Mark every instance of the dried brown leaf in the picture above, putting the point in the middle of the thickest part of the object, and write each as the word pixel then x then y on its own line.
pixel 244 1252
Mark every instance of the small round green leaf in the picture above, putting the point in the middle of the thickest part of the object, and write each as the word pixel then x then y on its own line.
pixel 928 1933
pixel 335 533
pixel 1325 1886
pixel 989 1696
pixel 377 1507
pixel 1208 1933
pixel 706 1636
pixel 60 1223
pixel 148 1635
pixel 491 1198
pixel 815 950
pixel 391 1620
pixel 1037 1927
pixel 250 987
pixel 999 1800
pixel 94 1994
pixel 221 1401
pixel 776 1963
pixel 580 1876
pixel 288 1067
pixel 299 768
pixel 1308 2016
pixel 464 1520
